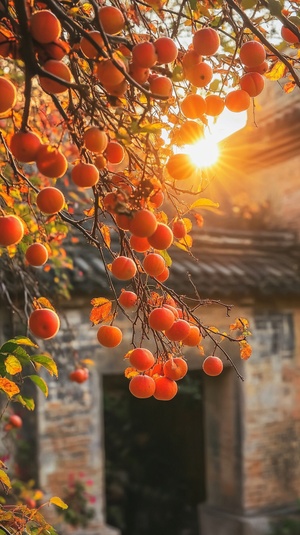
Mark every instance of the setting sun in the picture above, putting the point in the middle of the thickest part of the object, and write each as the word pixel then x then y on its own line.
pixel 204 153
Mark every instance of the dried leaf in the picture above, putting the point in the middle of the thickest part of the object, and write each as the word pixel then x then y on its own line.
pixel 101 310
pixel 240 324
pixel 130 372
pixel 105 231
pixel 9 387
pixel 245 350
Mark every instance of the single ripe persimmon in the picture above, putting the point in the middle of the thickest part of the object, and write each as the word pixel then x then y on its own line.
pixel 193 106
pixel 288 35
pixel 179 330
pixel 142 386
pixel 252 53
pixel 112 19
pixel 253 83
pixel 44 26
pixel 161 319
pixel 262 68
pixel 123 268
pixel 55 50
pixel 114 152
pixel 109 335
pixel 166 50
pixel 212 366
pixel 80 375
pixel 165 388
pixel 139 74
pixel 144 55
pixel 162 238
pixel 36 254
pixel 141 359
pixel 100 162
pixel 190 58
pixel 193 338
pixel 85 175
pixel 7 40
pixel 161 86
pixel 8 95
pixel 24 146
pixel 157 198
pixel 199 75
pixel 237 100
pixel 95 139
pixel 206 41
pixel 50 200
pixel 11 230
pixel 44 323
pixel 15 421
pixel 164 275
pixel 108 73
pixel 190 132
pixel 127 299
pixel 154 264
pixel 87 46
pixel 143 223
pixel 214 105
pixel 179 229
pixel 59 69
pixel 51 162
pixel 123 221
pixel 141 245
pixel 175 368
pixel 180 166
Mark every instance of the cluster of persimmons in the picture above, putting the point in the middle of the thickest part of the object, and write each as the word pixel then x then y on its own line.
pixel 116 81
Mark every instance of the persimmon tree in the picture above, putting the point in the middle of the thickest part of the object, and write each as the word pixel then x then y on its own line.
pixel 98 103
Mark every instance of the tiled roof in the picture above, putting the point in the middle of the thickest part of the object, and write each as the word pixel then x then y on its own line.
pixel 223 263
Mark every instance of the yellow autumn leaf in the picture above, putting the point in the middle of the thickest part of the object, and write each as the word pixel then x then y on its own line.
pixel 277 72
pixel 4 479
pixel 9 387
pixel 130 372
pixel 12 365
pixel 58 502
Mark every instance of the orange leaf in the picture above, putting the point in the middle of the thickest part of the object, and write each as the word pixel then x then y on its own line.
pixel 101 310
pixel 10 388
pixel 245 350
pixel 106 234
pixel 240 324
pixel 42 302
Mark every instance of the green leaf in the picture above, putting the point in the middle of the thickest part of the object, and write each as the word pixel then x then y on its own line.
pixel 47 362
pixel 39 381
pixel 166 257
pixel 28 403
pixel 275 7
pixel 58 502
pixel 13 343
pixel 204 203
pixel 8 347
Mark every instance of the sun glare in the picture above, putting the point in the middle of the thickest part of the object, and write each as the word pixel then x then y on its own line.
pixel 204 153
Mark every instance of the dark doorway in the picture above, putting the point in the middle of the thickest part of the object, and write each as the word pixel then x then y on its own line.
pixel 154 459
